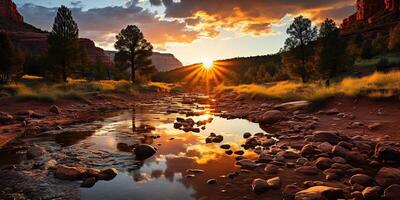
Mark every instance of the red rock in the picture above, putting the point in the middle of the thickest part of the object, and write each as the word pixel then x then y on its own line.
pixel 8 10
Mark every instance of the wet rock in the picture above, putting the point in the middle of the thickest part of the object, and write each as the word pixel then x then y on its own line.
pixel 319 193
pixel 308 150
pixel 225 146
pixel 387 152
pixel 292 106
pixel 35 151
pixel 229 152
pixel 387 176
pixel 274 183
pixel 55 109
pixel 307 170
pixel 69 173
pixel 108 174
pixel 211 181
pixel 323 163
pixel 239 152
pixel 370 193
pixel 271 117
pixel 259 186
pixel 247 164
pixel 289 192
pixel 5 118
pixel 271 169
pixel 144 151
pixel 361 179
pixel 331 137
pixel 89 182
pixel 246 135
pixel 392 192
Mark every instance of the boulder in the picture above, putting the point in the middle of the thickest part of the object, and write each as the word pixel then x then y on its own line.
pixel 108 174
pixel 144 151
pixel 274 183
pixel 320 193
pixel 55 109
pixel 69 173
pixel 370 193
pixel 392 192
pixel 308 150
pixel 387 176
pixel 387 152
pixel 323 163
pixel 327 136
pixel 361 179
pixel 289 192
pixel 259 186
pixel 271 117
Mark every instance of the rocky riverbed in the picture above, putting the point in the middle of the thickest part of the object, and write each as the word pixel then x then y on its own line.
pixel 229 147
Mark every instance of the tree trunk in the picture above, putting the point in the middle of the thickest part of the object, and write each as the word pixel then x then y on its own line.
pixel 133 70
pixel 64 74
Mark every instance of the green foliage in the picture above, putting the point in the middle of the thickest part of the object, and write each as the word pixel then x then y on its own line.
pixel 330 50
pixel 134 52
pixel 297 57
pixel 64 48
pixel 11 58
pixel 394 39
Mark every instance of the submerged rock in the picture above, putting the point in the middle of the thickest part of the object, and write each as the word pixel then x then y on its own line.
pixel 108 174
pixel 89 182
pixel 144 151
pixel 69 173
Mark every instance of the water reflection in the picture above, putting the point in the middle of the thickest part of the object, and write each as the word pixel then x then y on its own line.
pixel 163 176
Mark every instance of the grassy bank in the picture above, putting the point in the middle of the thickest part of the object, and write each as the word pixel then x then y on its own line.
pixel 377 85
pixel 35 88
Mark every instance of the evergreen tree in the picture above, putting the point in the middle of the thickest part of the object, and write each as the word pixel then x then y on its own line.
pixel 64 48
pixel 134 52
pixel 10 58
pixel 298 47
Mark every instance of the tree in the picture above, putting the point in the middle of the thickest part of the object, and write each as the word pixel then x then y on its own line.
pixel 10 58
pixel 298 47
pixel 134 51
pixel 330 51
pixel 64 48
pixel 394 39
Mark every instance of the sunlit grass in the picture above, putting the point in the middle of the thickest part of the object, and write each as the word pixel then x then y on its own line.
pixel 33 88
pixel 377 85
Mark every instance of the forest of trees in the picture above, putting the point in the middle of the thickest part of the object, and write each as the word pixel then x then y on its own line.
pixel 66 56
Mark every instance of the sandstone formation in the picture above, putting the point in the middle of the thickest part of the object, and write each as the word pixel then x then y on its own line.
pixel 8 10
pixel 31 38
pixel 372 15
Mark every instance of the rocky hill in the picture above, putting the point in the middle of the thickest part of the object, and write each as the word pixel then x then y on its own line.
pixel 27 36
pixel 372 16
pixel 162 61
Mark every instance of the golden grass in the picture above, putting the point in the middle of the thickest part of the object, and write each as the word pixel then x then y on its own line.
pixel 37 89
pixel 377 85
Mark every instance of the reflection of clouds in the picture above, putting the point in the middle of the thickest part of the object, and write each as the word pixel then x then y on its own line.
pixel 204 153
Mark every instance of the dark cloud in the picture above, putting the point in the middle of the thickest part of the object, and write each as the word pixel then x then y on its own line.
pixel 254 16
pixel 101 24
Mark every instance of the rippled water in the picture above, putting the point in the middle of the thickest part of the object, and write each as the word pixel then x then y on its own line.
pixel 163 176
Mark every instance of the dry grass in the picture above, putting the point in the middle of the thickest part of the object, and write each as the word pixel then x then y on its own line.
pixel 34 88
pixel 377 85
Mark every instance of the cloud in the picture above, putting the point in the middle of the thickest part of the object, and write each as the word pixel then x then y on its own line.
pixel 102 24
pixel 252 17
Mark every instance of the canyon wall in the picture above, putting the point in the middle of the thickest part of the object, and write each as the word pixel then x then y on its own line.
pixel 8 10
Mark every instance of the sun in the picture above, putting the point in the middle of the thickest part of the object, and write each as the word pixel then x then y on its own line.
pixel 208 63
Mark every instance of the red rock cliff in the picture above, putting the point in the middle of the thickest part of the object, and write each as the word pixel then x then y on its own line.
pixel 8 10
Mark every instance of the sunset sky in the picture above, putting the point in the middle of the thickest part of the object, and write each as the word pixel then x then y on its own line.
pixel 190 29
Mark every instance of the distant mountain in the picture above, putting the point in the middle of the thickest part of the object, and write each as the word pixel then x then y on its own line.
pixel 27 36
pixel 162 61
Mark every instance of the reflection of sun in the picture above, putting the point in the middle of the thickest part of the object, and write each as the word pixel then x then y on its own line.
pixel 208 63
